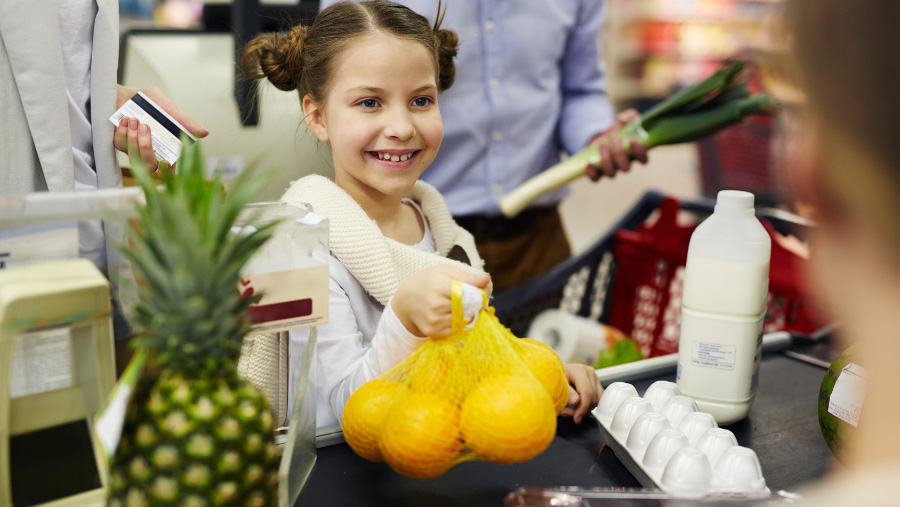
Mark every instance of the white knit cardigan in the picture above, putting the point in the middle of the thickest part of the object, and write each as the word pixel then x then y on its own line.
pixel 381 264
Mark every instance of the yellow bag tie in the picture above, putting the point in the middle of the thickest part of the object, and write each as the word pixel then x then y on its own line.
pixel 458 303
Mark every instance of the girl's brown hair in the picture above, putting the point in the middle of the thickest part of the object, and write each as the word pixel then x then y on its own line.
pixel 302 60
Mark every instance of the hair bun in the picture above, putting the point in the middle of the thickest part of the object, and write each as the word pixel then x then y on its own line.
pixel 447 46
pixel 276 57
pixel 298 36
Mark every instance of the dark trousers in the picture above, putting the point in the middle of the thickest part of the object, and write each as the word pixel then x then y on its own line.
pixel 516 250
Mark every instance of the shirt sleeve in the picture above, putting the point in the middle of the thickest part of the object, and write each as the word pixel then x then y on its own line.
pixel 586 110
pixel 348 360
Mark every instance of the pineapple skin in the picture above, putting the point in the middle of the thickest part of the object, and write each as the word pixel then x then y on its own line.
pixel 196 434
pixel 196 441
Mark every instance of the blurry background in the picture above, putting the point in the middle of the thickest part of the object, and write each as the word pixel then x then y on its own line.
pixel 651 48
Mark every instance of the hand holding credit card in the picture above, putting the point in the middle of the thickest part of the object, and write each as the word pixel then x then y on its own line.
pixel 165 131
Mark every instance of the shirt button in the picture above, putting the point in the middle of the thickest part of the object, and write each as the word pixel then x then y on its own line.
pixel 497 135
pixel 489 25
pixel 497 189
pixel 494 83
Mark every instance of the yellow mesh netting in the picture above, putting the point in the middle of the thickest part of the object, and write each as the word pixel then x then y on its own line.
pixel 480 393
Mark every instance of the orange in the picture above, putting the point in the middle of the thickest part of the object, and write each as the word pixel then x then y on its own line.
pixel 364 413
pixel 420 436
pixel 431 374
pixel 508 419
pixel 545 365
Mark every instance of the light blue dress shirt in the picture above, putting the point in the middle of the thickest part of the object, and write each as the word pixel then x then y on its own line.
pixel 529 86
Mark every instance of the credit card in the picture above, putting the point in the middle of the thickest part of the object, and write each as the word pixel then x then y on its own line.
pixel 164 130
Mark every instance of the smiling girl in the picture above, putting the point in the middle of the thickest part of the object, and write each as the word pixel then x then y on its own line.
pixel 368 75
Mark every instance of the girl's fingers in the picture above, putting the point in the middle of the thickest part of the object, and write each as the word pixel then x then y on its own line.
pixel 573 396
pixel 585 382
pixel 584 402
pixel 598 391
pixel 480 281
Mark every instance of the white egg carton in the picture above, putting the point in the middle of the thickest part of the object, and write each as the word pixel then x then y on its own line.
pixel 667 443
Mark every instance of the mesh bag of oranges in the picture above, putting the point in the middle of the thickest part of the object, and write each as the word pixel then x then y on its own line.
pixel 480 393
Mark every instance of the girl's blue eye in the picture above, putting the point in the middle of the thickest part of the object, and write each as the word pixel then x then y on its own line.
pixel 369 103
pixel 422 101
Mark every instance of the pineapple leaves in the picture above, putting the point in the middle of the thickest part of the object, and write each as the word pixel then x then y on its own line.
pixel 187 250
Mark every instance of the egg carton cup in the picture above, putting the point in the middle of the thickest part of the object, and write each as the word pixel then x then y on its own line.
pixel 666 442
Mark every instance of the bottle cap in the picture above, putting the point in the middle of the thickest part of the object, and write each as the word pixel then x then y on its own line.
pixel 734 199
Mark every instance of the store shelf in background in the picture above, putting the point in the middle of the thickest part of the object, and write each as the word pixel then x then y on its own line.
pixel 714 38
pixel 676 9
pixel 657 77
pixel 655 47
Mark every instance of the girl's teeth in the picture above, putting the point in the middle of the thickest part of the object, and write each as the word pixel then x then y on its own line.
pixel 393 158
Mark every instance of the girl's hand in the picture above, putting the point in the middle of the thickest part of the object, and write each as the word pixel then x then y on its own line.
pixel 422 303
pixel 585 395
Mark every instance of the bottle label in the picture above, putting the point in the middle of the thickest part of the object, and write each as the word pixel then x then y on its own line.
pixel 713 355
pixel 719 356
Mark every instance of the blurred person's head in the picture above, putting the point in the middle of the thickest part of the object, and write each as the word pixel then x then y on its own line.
pixel 848 57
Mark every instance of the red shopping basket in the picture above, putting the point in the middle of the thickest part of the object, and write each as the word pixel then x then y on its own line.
pixel 646 297
pixel 632 277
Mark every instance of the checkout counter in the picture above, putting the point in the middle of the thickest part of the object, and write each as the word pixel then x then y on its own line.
pixel 782 428
pixel 196 70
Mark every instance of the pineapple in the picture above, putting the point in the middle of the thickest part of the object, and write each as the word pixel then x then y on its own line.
pixel 196 434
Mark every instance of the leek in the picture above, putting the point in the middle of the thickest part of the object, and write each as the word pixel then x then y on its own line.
pixel 693 113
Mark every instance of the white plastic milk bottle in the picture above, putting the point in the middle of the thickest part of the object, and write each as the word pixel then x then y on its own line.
pixel 723 306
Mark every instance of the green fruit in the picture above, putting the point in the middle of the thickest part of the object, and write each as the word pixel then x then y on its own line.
pixel 196 434
pixel 835 430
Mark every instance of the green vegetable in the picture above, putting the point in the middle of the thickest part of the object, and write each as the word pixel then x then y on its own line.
pixel 691 114
pixel 695 94
pixel 704 121
pixel 698 111
pixel 624 351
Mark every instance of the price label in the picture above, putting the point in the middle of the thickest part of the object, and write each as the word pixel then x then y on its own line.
pixel 41 362
pixel 848 394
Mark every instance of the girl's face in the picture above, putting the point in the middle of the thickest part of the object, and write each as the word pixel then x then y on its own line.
pixel 380 116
